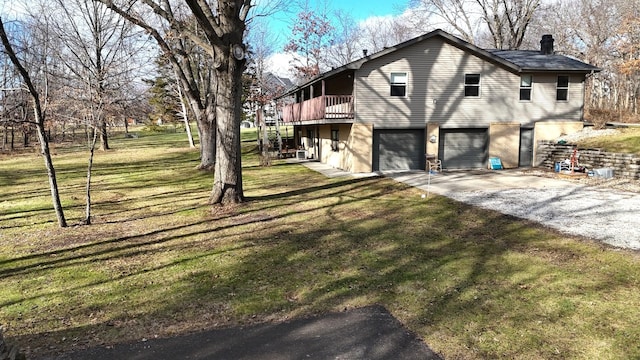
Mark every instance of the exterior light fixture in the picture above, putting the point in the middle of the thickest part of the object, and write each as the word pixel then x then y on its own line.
pixel 238 52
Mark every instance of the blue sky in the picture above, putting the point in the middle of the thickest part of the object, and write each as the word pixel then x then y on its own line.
pixel 280 23
pixel 360 10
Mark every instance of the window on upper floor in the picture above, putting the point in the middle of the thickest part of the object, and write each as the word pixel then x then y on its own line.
pixel 526 85
pixel 562 88
pixel 472 85
pixel 335 140
pixel 399 84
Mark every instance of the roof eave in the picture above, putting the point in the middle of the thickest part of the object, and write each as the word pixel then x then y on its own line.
pixel 559 70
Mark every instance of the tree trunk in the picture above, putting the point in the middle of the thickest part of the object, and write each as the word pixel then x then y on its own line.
pixel 39 118
pixel 185 118
pixel 227 182
pixel 189 134
pixel 51 172
pixel 87 211
pixel 126 125
pixel 207 125
pixel 104 137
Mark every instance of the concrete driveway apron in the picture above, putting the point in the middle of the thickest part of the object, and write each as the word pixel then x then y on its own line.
pixel 451 182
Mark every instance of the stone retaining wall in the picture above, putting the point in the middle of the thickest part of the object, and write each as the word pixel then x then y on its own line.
pixel 623 165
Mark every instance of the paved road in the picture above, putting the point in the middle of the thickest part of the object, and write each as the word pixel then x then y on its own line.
pixel 369 333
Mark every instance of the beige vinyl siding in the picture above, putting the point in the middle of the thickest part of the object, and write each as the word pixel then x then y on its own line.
pixel 435 91
pixel 327 155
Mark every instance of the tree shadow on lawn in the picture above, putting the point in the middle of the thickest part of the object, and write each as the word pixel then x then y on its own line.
pixel 126 208
pixel 334 268
pixel 131 246
pixel 128 242
pixel 72 195
pixel 437 265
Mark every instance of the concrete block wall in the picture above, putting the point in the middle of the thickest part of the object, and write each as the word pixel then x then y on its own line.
pixel 623 165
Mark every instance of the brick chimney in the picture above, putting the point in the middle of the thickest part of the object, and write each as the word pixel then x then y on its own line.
pixel 546 45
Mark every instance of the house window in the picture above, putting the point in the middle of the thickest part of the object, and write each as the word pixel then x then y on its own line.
pixel 398 84
pixel 526 84
pixel 335 140
pixel 472 85
pixel 562 88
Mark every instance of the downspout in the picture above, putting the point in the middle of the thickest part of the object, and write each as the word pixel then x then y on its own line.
pixel 317 145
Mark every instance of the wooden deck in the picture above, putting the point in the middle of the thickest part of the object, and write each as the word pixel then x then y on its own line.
pixel 320 108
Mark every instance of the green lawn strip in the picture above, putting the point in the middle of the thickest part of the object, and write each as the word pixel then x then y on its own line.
pixel 627 141
pixel 159 261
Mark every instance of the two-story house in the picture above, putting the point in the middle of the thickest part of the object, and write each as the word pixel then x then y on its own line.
pixel 438 95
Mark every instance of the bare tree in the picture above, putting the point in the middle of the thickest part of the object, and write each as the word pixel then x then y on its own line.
pixel 507 20
pixel 39 118
pixel 260 90
pixel 457 16
pixel 504 21
pixel 223 23
pixel 98 47
pixel 345 46
pixel 600 32
pixel 225 30
pixel 96 50
pixel 183 44
pixel 12 103
pixel 310 39
pixel 184 112
pixel 628 48
pixel 378 33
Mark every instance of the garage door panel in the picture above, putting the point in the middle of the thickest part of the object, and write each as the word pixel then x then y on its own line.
pixel 398 149
pixel 463 148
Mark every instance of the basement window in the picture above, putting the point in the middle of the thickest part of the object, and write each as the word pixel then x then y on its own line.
pixel 399 84
pixel 526 84
pixel 562 88
pixel 471 85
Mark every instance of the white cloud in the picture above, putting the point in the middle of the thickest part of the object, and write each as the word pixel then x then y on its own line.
pixel 279 64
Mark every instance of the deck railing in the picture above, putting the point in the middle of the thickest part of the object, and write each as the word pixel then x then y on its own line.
pixel 319 108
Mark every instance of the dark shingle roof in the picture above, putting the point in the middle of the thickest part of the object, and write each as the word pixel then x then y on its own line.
pixel 532 60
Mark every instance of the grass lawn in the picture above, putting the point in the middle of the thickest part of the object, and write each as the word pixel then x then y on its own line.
pixel 627 141
pixel 158 261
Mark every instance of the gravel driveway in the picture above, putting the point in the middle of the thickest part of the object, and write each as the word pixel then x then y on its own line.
pixel 609 215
